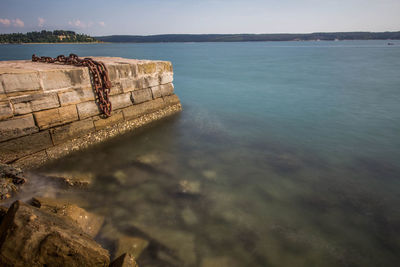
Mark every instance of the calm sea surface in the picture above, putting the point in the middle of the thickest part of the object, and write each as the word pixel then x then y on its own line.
pixel 290 152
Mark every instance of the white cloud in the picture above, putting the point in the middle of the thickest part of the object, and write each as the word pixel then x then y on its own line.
pixel 41 21
pixel 102 24
pixel 77 23
pixel 18 23
pixel 5 22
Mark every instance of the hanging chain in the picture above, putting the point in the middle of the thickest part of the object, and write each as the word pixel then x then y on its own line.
pixel 97 69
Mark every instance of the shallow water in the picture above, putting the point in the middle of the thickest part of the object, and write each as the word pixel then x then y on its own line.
pixel 286 154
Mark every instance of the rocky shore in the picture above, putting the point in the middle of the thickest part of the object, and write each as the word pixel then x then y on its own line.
pixel 54 232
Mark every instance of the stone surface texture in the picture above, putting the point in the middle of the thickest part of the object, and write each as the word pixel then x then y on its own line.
pixel 43 107
pixel 33 237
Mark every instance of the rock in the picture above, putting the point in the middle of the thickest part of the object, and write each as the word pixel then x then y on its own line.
pixel 218 262
pixel 189 187
pixel 89 222
pixel 120 176
pixel 3 212
pixel 10 180
pixel 32 237
pixel 73 179
pixel 132 245
pixel 210 175
pixel 189 217
pixel 180 243
pixel 7 171
pixel 125 260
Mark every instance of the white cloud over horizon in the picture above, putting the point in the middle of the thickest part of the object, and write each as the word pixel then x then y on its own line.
pixel 13 22
pixel 41 21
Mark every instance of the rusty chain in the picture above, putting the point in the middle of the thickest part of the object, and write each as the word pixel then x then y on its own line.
pixel 97 69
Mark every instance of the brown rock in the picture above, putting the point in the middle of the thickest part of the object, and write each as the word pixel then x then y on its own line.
pixel 32 237
pixel 125 260
pixel 57 116
pixel 131 245
pixel 89 222
pixel 74 179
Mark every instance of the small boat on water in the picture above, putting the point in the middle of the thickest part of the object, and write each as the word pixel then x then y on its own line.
pixel 390 44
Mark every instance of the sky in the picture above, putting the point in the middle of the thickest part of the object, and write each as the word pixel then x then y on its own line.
pixel 147 17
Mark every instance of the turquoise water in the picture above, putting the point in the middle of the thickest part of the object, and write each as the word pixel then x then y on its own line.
pixel 292 150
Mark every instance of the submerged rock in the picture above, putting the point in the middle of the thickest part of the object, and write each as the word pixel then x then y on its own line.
pixel 125 260
pixel 89 222
pixel 218 262
pixel 132 245
pixel 33 237
pixel 180 243
pixel 188 216
pixel 72 179
pixel 189 187
pixel 10 180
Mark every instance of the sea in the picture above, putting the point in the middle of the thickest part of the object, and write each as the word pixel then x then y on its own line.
pixel 285 154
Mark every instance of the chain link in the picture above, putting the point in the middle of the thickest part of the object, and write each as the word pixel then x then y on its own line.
pixel 97 69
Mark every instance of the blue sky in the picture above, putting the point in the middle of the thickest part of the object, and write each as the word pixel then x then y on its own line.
pixel 203 16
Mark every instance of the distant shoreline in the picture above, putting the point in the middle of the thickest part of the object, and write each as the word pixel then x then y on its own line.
pixel 199 38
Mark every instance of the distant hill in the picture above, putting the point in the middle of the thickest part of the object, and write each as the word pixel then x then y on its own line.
pixel 250 37
pixel 58 36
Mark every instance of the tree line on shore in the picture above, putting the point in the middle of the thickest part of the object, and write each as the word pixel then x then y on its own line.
pixel 57 36
pixel 251 37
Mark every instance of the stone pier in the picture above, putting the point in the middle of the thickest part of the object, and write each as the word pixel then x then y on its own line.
pixel 49 110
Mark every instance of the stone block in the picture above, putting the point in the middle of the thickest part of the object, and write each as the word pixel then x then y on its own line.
pixel 87 109
pixel 62 79
pixel 164 66
pixel 129 85
pixel 71 130
pixel 20 82
pixel 121 101
pixel 136 111
pixel 171 100
pixel 125 70
pixel 100 123
pixel 58 116
pixel 167 89
pixel 5 110
pixel 36 102
pixel 146 67
pixel 17 126
pixel 166 77
pixel 16 148
pixel 76 96
pixel 156 91
pixel 142 95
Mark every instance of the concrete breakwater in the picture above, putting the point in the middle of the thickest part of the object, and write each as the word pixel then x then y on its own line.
pixel 49 110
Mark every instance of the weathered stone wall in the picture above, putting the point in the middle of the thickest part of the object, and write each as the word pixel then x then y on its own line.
pixel 49 110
